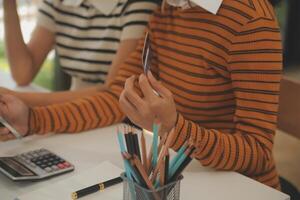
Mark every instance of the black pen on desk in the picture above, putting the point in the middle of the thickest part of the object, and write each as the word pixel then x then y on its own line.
pixel 95 188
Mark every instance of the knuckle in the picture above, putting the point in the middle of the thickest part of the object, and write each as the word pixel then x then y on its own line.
pixel 169 93
pixel 155 105
pixel 121 99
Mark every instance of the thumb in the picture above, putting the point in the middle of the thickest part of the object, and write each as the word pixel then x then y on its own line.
pixel 3 110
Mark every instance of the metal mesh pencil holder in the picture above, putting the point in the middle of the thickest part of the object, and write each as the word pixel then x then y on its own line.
pixel 133 191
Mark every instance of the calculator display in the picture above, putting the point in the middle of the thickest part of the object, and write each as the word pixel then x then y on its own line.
pixel 17 167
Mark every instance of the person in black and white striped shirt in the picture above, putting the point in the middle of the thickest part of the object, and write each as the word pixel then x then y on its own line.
pixel 91 37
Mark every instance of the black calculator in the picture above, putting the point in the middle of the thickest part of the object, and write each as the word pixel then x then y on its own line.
pixel 34 165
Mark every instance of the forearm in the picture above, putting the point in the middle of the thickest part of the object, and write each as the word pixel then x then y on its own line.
pixel 240 151
pixel 79 115
pixel 125 49
pixel 18 54
pixel 88 112
pixel 44 99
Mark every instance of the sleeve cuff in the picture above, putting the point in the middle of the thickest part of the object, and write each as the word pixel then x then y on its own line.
pixel 180 133
pixel 34 121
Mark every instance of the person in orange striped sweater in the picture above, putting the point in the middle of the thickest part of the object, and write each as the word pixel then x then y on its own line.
pixel 217 69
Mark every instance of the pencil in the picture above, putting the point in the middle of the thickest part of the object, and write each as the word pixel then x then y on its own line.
pixel 10 128
pixel 136 145
pixel 144 151
pixel 129 144
pixel 134 169
pixel 163 153
pixel 180 169
pixel 182 158
pixel 155 143
pixel 162 173
pixel 167 159
pixel 95 188
pixel 143 173
pixel 161 144
pixel 178 155
pixel 122 147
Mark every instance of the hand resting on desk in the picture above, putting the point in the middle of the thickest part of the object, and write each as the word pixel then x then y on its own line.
pixel 16 113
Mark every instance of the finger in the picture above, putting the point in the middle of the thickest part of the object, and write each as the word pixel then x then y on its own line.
pixel 2 98
pixel 163 91
pixel 6 137
pixel 4 131
pixel 125 104
pixel 128 108
pixel 3 110
pixel 131 95
pixel 146 88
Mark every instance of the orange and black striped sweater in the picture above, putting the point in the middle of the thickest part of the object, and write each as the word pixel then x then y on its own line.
pixel 224 71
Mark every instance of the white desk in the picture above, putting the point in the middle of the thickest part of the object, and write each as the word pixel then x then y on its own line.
pixel 85 150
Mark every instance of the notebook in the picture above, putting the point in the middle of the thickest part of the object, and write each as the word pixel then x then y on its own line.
pixel 63 189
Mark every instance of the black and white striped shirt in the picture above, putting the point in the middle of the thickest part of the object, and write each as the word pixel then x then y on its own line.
pixel 87 39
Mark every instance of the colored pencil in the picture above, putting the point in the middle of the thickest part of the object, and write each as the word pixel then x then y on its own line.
pixel 155 143
pixel 136 144
pixel 167 159
pixel 144 151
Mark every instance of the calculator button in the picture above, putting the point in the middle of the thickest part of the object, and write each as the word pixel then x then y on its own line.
pixel 48 169
pixel 61 166
pixel 27 161
pixel 28 156
pixel 66 164
pixel 51 159
pixel 24 157
pixel 43 166
pixel 44 161
pixel 35 155
pixel 54 168
pixel 39 162
pixel 36 152
pixel 55 162
pixel 32 165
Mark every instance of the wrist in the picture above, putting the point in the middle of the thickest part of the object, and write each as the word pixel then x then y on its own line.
pixel 166 128
pixel 29 127
pixel 179 133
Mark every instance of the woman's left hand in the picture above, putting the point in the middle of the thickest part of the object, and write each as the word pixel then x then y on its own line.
pixel 144 110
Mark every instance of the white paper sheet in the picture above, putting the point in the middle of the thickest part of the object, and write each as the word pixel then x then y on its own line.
pixel 63 189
